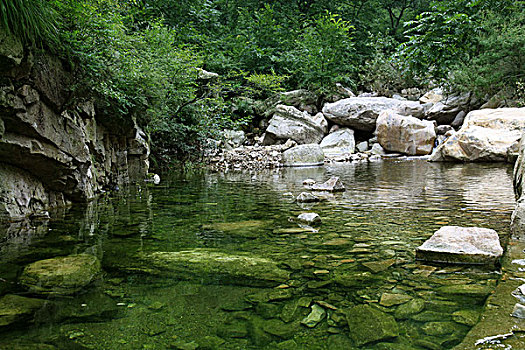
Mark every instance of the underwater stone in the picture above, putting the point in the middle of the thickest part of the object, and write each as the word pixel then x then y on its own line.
pixel 472 290
pixel 439 328
pixel 412 307
pixel 390 299
pixel 316 315
pixel 62 275
pixel 461 245
pixel 14 308
pixel 378 266
pixel 369 325
pixel 466 317
pixel 279 328
pixel 214 265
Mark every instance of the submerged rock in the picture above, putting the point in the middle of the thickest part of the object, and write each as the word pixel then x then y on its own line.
pixel 14 308
pixel 369 325
pixel 314 317
pixel 61 275
pixel 409 309
pixel 216 266
pixel 461 245
pixel 247 228
pixel 466 317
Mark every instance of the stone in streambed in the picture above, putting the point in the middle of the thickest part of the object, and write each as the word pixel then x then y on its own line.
pixel 309 218
pixel 236 269
pixel 305 197
pixel 369 325
pixel 412 307
pixel 279 328
pixel 14 308
pixel 391 299
pixel 316 315
pixel 331 185
pixel 462 245
pixel 62 275
pixel 247 228
pixel 378 266
pixel 466 317
pixel 439 328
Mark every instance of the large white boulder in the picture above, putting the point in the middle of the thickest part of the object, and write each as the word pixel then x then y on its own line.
pixel 409 135
pixel 360 113
pixel 303 155
pixel 486 135
pixel 339 143
pixel 461 245
pixel 290 123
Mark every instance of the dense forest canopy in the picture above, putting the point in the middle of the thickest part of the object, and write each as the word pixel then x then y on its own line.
pixel 144 58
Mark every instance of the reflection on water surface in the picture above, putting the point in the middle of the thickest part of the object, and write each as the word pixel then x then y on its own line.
pixel 214 261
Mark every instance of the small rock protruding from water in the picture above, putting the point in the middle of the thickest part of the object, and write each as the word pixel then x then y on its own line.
pixel 334 184
pixel 305 197
pixel 309 218
pixel 519 293
pixel 462 245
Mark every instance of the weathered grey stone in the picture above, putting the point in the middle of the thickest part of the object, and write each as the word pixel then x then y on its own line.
pixel 458 120
pixel 443 129
pixel 60 276
pixel 369 325
pixel 14 308
pixel 333 184
pixel 237 269
pixel 303 155
pixel 234 138
pixel 303 100
pixel 290 123
pixel 462 245
pixel 11 51
pixel 305 197
pixel 360 113
pixel 517 225
pixel 518 311
pixel 433 96
pixel 447 108
pixel 407 135
pixel 205 75
pixel 378 150
pixel 309 218
pixel 486 135
pixel 339 143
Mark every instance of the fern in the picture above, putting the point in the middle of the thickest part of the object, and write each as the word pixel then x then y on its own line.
pixel 32 21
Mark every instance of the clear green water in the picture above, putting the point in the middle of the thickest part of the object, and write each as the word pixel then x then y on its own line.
pixel 363 250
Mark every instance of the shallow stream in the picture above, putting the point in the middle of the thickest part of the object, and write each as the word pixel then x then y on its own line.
pixel 252 278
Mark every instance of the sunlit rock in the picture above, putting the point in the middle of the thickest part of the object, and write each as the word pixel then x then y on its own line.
pixel 486 135
pixel 408 135
pixel 303 155
pixel 461 245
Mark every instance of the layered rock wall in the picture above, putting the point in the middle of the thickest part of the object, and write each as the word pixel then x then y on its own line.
pixel 55 149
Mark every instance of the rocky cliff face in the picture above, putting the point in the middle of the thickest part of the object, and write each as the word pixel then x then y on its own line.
pixel 53 149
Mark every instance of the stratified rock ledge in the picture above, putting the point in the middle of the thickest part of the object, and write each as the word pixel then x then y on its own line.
pixel 462 245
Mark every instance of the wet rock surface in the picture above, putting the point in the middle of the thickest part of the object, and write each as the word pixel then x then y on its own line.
pixel 60 276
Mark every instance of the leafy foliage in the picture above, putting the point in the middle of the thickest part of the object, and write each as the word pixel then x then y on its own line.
pixel 31 21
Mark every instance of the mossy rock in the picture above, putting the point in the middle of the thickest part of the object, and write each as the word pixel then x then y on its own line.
pixel 240 229
pixel 466 317
pixel 213 266
pixel 369 325
pixel 410 308
pixel 14 308
pixel 62 275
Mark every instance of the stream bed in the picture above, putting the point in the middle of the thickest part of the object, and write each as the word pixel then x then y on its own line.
pixel 216 261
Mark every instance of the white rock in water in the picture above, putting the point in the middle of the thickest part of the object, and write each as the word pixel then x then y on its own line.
pixel 309 218
pixel 461 245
